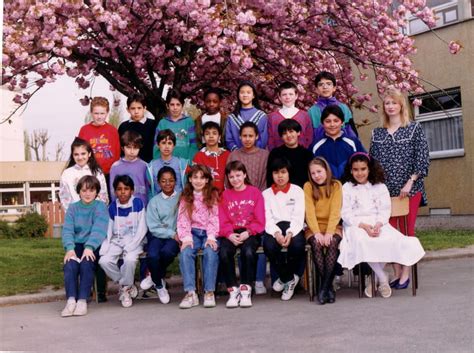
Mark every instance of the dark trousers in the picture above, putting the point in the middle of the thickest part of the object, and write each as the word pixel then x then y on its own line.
pixel 161 253
pixel 79 276
pixel 286 264
pixel 248 256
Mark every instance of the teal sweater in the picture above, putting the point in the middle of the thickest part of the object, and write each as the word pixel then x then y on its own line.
pixel 85 224
pixel 162 214
pixel 185 131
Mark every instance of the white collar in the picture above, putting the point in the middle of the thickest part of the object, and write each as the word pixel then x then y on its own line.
pixel 166 197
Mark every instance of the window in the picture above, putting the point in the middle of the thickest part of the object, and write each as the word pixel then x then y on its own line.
pixel 446 12
pixel 440 115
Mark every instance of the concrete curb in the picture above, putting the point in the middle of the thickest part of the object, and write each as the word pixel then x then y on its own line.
pixel 50 295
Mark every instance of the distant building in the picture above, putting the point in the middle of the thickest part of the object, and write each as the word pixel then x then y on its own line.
pixel 11 134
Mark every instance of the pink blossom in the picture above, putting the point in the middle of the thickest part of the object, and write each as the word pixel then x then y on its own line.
pixel 416 102
pixel 454 47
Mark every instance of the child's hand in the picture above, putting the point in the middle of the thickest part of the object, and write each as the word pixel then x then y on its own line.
pixel 176 238
pixel 279 238
pixel 212 243
pixel 327 239
pixel 406 189
pixel 287 240
pixel 244 236
pixel 368 228
pixel 378 226
pixel 70 254
pixel 185 244
pixel 88 254
pixel 235 239
pixel 319 238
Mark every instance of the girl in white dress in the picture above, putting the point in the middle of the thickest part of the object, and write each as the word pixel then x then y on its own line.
pixel 368 237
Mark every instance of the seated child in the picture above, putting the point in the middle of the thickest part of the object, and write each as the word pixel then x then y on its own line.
pixel 182 126
pixel 139 123
pixel 213 156
pixel 241 221
pixel 336 147
pixel 166 141
pixel 198 225
pixel 368 236
pixel 325 88
pixel 213 112
pixel 284 221
pixel 131 164
pixel 125 236
pixel 85 227
pixel 290 131
pixel 162 246
pixel 288 94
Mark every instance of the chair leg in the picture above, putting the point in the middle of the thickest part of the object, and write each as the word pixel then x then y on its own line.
pixel 361 282
pixel 414 279
pixel 372 280
pixel 309 274
pixel 349 278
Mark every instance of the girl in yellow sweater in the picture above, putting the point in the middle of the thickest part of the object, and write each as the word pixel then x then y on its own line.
pixel 323 201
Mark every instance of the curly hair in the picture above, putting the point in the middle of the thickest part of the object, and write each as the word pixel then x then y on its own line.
pixel 100 102
pixel 210 192
pixel 376 172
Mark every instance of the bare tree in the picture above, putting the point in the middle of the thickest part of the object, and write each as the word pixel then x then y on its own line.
pixel 59 151
pixel 35 144
pixel 26 142
pixel 43 138
pixel 39 138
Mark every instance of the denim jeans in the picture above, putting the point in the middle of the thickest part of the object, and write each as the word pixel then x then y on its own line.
pixel 187 263
pixel 161 253
pixel 79 276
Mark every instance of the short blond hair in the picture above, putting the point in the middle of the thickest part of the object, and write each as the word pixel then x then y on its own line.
pixel 100 102
pixel 405 112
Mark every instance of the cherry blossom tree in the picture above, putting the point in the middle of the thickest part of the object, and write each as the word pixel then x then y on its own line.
pixel 147 45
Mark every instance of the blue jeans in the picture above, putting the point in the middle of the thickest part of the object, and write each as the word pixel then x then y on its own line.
pixel 79 277
pixel 187 263
pixel 161 253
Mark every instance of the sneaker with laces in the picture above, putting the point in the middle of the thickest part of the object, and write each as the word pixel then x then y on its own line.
pixel 147 283
pixel 278 285
pixel 163 294
pixel 69 309
pixel 209 300
pixel 260 288
pixel 234 298
pixel 125 297
pixel 368 287
pixel 189 300
pixel 245 296
pixel 81 308
pixel 290 288
pixel 385 290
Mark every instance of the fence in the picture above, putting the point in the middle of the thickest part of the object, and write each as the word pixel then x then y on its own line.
pixel 54 214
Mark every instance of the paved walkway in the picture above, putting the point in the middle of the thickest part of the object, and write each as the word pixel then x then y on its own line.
pixel 438 319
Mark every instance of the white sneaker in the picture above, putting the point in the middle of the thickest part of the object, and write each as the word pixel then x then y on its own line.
pixel 337 282
pixel 368 287
pixel 260 288
pixel 189 300
pixel 125 297
pixel 163 294
pixel 234 298
pixel 385 290
pixel 245 296
pixel 147 283
pixel 209 300
pixel 81 308
pixel 290 288
pixel 69 309
pixel 278 285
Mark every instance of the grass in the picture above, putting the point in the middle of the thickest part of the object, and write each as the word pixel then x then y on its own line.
pixel 29 265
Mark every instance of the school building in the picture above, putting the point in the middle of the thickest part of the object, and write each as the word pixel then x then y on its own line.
pixel 446 113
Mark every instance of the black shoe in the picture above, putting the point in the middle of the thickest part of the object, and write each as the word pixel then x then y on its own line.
pixel 101 298
pixel 322 297
pixel 331 296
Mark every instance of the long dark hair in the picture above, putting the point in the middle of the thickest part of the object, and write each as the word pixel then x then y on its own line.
pixel 237 166
pixel 92 162
pixel 376 172
pixel 255 102
pixel 210 193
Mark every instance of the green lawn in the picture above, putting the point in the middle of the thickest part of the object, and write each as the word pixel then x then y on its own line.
pixel 28 265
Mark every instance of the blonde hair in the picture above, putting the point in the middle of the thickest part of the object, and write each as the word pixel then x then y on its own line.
pixel 405 112
pixel 329 183
pixel 100 102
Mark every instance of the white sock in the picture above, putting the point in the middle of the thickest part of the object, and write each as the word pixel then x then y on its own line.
pixel 377 267
pixel 71 300
pixel 83 301
pixel 259 284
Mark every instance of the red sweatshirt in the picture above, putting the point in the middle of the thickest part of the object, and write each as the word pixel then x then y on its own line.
pixel 216 161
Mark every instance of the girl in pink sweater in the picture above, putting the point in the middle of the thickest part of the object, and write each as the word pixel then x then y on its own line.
pixel 197 226
pixel 242 221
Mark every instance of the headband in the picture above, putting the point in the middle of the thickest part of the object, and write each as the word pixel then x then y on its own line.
pixel 359 154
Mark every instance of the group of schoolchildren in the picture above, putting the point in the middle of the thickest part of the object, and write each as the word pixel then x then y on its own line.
pixel 176 190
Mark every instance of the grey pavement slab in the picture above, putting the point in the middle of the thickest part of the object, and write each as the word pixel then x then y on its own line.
pixel 438 319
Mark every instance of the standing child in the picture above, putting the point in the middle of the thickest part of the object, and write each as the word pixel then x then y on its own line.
pixel 85 227
pixel 323 200
pixel 246 109
pixel 182 126
pixel 139 123
pixel 81 162
pixel 242 221
pixel 284 221
pixel 162 245
pixel 102 136
pixel 132 165
pixel 368 236
pixel 325 88
pixel 198 225
pixel 127 230
pixel 213 156
pixel 288 94
pixel 166 142
pixel 213 112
